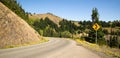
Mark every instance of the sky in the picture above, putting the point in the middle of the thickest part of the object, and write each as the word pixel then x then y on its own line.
pixel 77 10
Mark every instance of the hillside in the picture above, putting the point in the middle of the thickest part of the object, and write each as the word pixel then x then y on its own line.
pixel 14 30
pixel 52 17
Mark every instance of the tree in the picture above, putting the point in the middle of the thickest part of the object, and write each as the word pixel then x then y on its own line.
pixel 66 34
pixel 51 23
pixel 95 15
pixel 113 42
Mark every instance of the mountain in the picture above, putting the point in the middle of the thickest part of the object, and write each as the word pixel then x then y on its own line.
pixel 14 30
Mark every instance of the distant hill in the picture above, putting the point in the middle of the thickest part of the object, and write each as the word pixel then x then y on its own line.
pixel 52 17
pixel 14 30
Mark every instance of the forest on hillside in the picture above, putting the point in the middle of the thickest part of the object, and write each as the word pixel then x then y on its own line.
pixel 68 29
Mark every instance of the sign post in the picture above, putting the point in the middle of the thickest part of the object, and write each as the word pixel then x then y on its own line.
pixel 96 37
pixel 96 27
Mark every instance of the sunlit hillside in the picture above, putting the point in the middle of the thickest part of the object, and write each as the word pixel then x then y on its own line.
pixel 14 30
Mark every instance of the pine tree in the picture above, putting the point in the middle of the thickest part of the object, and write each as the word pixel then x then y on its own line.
pixel 95 15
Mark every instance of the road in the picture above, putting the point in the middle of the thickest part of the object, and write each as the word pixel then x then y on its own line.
pixel 55 48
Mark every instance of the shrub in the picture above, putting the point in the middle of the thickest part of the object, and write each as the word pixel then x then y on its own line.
pixel 90 39
pixel 66 34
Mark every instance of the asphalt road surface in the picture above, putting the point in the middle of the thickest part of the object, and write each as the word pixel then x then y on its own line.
pixel 55 48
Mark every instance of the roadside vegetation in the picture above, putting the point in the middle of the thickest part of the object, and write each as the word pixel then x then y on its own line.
pixel 115 52
pixel 26 44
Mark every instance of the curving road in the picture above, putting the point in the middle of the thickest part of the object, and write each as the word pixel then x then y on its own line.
pixel 55 48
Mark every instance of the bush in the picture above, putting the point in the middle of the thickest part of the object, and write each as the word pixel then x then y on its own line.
pixel 90 39
pixel 101 41
pixel 40 32
pixel 105 31
pixel 113 42
pixel 66 34
pixel 50 32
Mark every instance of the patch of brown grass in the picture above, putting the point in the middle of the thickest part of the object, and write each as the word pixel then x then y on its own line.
pixel 26 44
pixel 104 49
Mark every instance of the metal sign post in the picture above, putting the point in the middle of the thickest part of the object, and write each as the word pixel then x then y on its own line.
pixel 96 37
pixel 96 27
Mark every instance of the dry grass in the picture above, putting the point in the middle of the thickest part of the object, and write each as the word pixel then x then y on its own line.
pixel 26 44
pixel 104 49
pixel 113 29
pixel 52 17
pixel 14 30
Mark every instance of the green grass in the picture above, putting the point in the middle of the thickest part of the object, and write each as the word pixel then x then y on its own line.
pixel 27 44
pixel 104 49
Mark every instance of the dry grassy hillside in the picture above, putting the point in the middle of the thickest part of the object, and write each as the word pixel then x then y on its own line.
pixel 14 30
pixel 111 29
pixel 52 17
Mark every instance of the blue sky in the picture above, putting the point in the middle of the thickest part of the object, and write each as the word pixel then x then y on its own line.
pixel 77 10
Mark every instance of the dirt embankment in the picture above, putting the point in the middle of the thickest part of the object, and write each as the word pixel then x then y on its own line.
pixel 14 30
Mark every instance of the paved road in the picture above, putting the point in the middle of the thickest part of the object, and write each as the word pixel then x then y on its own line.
pixel 55 48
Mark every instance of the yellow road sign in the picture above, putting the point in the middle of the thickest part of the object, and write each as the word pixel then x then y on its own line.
pixel 96 26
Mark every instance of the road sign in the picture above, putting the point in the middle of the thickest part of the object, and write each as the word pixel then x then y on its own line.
pixel 96 26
